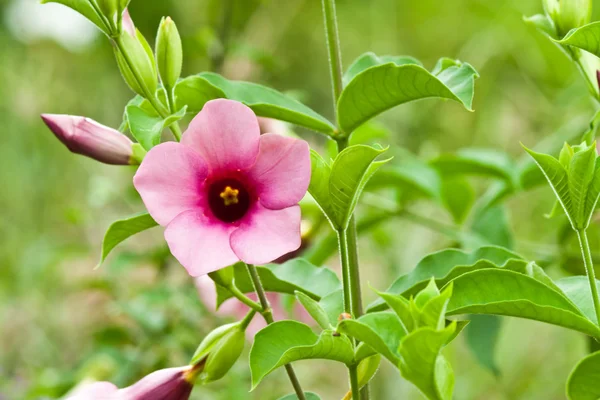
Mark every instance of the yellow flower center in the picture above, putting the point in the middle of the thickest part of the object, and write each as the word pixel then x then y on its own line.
pixel 229 196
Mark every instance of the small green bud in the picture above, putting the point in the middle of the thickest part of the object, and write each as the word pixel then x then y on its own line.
pixel 568 14
pixel 144 67
pixel 219 350
pixel 169 53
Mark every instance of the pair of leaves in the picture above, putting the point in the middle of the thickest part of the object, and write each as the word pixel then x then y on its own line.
pixel 376 84
pixel 337 187
pixel 195 91
pixel 577 187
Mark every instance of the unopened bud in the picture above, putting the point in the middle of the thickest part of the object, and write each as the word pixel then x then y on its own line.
pixel 568 14
pixel 87 137
pixel 219 350
pixel 169 53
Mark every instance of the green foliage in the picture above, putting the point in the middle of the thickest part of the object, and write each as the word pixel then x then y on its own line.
pixel 577 289
pixel 528 294
pixel 314 309
pixel 84 8
pixel 338 187
pixel 195 91
pixel 120 230
pixel 146 127
pixel 380 83
pixel 583 380
pixel 289 277
pixel 308 395
pixel 585 38
pixel 482 337
pixel 285 341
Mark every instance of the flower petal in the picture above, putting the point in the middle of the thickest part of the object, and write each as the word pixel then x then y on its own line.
pixel 164 384
pixel 226 134
pixel 199 243
pixel 94 391
pixel 281 173
pixel 265 235
pixel 170 180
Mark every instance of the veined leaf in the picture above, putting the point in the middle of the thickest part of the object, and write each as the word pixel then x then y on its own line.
pixel 195 91
pixel 583 380
pixel 458 196
pixel 482 338
pixel 319 181
pixel 147 128
pixel 285 341
pixel 445 265
pixel 120 230
pixel 581 173
pixel 333 305
pixel 294 275
pixel 350 172
pixel 383 84
pixel 370 59
pixel 586 38
pixel 381 331
pixel 509 293
pixel 422 364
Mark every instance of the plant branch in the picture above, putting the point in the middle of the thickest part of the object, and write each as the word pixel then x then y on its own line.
pixel 589 268
pixel 268 316
pixel 333 45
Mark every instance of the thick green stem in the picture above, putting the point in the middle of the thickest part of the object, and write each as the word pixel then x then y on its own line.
pixel 268 316
pixel 247 319
pixel 245 299
pixel 589 268
pixel 333 45
pixel 345 261
pixel 353 370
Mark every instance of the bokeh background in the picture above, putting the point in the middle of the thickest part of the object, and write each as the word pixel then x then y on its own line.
pixel 62 321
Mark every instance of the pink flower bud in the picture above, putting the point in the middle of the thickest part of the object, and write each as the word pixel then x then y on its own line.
pixel 127 22
pixel 165 384
pixel 85 136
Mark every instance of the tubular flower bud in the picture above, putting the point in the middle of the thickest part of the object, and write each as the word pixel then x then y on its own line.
pixel 169 53
pixel 87 137
pixel 165 384
pixel 568 14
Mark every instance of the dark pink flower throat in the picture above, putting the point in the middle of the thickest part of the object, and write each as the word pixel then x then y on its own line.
pixel 229 200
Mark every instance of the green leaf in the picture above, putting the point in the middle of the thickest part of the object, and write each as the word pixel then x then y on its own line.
pixel 581 173
pixel 433 313
pixel 445 265
pixel 314 309
pixel 577 289
pixel 349 174
pixel 586 38
pixel 285 341
pixel 558 178
pixel 381 331
pixel 458 196
pixel 333 305
pixel 542 23
pixel 195 91
pixel 293 275
pixel 369 134
pixel 482 338
pixel 491 224
pixel 479 162
pixel 308 395
pixel 401 306
pixel 422 364
pixel 385 84
pixel 509 293
pixel 319 181
pixel 370 59
pixel 120 230
pixel 84 8
pixel 583 380
pixel 147 128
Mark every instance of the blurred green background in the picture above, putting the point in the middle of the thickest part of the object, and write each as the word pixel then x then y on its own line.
pixel 61 321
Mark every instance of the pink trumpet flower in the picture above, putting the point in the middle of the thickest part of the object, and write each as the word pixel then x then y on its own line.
pixel 226 193
pixel 87 137
pixel 165 384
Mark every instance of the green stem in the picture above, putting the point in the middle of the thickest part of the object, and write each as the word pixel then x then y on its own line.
pixel 268 316
pixel 244 299
pixel 345 261
pixel 353 370
pixel 589 268
pixel 247 319
pixel 333 45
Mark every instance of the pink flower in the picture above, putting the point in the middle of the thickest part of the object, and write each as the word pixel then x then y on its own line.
pixel 85 136
pixel 165 384
pixel 236 309
pixel 226 193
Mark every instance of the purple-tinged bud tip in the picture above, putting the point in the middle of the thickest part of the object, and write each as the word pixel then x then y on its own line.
pixel 87 137
pixel 127 22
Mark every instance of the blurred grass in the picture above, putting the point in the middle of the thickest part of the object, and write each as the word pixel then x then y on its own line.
pixel 62 321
